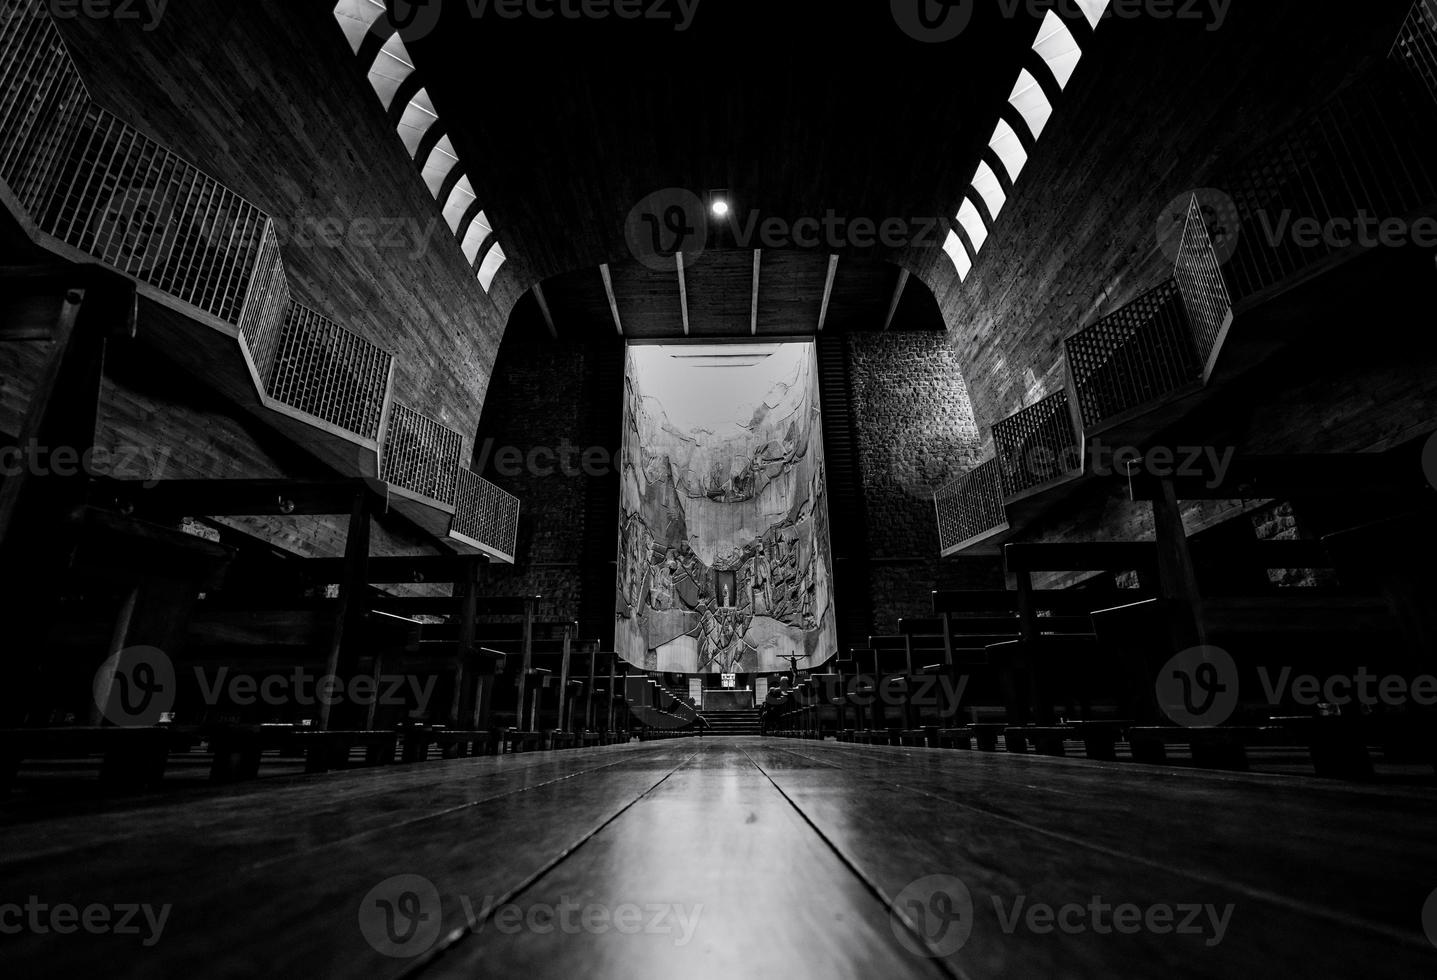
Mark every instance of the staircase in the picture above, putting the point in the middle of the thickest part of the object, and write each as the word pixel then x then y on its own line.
pixel 742 721
pixel 846 519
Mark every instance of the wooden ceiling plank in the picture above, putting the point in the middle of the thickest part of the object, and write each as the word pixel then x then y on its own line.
pixel 828 291
pixel 683 291
pixel 897 296
pixel 613 301
pixel 753 311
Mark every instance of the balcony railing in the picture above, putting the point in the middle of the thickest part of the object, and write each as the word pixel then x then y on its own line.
pixel 421 455
pixel 97 185
pixel 1038 446
pixel 970 508
pixel 1133 358
pixel 1205 299
pixel 1416 46
pixel 1363 156
pixel 486 515
pixel 42 102
pixel 330 373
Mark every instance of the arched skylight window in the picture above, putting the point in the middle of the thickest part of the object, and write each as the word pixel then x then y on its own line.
pixel 1031 102
pixel 1058 48
pixel 492 263
pixel 986 183
pixel 972 223
pixel 458 205
pixel 479 231
pixel 390 70
pixel 419 117
pixel 1093 10
pixel 439 166
pixel 1009 147
pixel 357 17
pixel 1061 53
pixel 954 247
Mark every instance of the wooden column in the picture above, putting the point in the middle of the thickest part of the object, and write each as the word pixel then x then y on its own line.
pixel 589 691
pixel 349 614
pixel 1176 575
pixel 465 668
pixel 564 675
pixel 609 715
pixel 528 661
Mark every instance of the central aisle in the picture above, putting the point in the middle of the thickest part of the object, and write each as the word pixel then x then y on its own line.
pixel 744 857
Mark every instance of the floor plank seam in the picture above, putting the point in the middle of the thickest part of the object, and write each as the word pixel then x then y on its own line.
pixel 452 941
pixel 1377 928
pixel 947 968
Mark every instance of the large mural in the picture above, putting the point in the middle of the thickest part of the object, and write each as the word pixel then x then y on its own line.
pixel 724 557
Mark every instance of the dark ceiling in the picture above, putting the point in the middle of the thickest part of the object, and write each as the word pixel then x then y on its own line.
pixel 796 109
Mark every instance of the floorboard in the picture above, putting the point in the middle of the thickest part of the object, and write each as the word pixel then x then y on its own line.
pixel 736 857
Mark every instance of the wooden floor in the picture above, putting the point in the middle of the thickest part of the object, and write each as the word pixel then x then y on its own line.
pixel 739 858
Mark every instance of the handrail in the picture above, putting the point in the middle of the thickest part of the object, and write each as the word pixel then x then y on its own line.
pixel 970 509
pixel 97 185
pixel 1416 45
pixel 1038 445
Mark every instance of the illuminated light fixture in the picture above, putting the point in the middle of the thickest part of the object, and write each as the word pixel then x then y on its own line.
pixel 719 208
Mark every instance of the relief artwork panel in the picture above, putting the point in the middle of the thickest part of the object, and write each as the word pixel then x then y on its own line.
pixel 724 557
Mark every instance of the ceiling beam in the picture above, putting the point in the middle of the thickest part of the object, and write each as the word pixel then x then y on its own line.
pixel 613 300
pixel 544 309
pixel 753 310
pixel 897 295
pixel 828 291
pixel 683 291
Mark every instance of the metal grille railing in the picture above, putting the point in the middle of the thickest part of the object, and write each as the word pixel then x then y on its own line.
pixel 971 507
pixel 42 100
pixel 421 455
pixel 1416 46
pixel 486 514
pixel 1038 445
pixel 1362 157
pixel 1198 274
pixel 265 309
pixel 136 206
pixel 1135 356
pixel 334 374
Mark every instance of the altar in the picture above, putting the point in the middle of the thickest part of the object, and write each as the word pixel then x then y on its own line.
pixel 718 699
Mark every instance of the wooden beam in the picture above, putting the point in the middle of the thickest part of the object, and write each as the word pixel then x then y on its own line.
pixel 683 291
pixel 1347 475
pixel 544 310
pixel 243 498
pixel 903 275
pixel 613 300
pixel 753 309
pixel 828 291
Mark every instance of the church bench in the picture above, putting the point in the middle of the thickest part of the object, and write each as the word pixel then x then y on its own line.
pixel 1100 738
pixel 130 758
